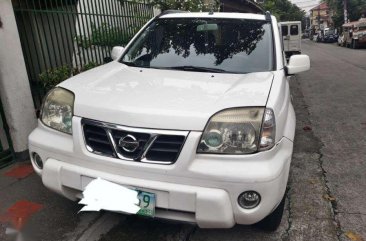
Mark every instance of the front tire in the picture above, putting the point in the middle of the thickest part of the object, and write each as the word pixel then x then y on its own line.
pixel 273 221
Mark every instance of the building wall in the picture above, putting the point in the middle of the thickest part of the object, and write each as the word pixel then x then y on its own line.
pixel 325 18
pixel 14 85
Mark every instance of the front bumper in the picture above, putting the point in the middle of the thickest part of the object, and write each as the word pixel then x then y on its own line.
pixel 197 188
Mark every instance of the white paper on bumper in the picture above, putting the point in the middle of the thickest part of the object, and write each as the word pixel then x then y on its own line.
pixel 101 194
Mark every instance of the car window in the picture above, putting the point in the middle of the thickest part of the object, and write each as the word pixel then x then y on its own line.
pixel 227 45
pixel 284 30
pixel 294 30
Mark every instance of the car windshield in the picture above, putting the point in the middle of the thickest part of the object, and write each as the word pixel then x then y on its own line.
pixel 205 45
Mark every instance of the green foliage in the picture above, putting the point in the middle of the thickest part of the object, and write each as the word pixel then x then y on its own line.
pixel 284 10
pixel 52 77
pixel 356 8
pixel 187 5
pixel 89 66
pixel 107 35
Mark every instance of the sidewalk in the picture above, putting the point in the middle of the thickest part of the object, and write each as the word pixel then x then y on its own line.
pixel 27 205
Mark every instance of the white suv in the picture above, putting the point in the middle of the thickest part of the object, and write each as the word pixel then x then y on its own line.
pixel 195 113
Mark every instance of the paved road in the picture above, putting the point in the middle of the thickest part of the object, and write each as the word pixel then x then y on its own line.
pixel 326 192
pixel 334 91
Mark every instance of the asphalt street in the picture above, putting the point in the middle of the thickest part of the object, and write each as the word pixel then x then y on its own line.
pixel 326 190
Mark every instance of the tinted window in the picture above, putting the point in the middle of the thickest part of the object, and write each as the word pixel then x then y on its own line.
pixel 226 45
pixel 294 30
pixel 284 30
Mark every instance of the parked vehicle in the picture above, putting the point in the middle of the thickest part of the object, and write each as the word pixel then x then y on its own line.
pixel 195 114
pixel 291 35
pixel 329 36
pixel 341 40
pixel 355 33
pixel 306 34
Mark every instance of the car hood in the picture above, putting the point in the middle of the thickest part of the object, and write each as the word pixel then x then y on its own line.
pixel 163 99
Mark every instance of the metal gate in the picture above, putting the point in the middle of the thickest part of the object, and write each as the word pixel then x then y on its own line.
pixel 61 38
pixel 6 150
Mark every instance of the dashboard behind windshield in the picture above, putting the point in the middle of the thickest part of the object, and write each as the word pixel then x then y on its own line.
pixel 199 44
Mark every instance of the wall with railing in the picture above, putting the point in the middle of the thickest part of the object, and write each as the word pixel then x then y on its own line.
pixel 63 37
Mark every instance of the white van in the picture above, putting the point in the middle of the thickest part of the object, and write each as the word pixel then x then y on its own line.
pixel 291 36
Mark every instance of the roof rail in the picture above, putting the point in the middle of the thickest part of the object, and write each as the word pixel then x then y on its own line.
pixel 170 12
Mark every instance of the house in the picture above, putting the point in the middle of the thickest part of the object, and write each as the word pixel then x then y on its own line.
pixel 320 17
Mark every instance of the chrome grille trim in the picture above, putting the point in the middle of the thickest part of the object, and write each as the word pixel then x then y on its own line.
pixel 154 134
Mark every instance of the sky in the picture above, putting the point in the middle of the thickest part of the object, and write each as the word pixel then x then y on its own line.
pixel 306 4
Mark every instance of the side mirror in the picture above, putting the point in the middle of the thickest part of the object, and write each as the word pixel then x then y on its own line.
pixel 117 52
pixel 298 63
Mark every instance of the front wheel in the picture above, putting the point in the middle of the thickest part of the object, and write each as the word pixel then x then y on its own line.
pixel 273 221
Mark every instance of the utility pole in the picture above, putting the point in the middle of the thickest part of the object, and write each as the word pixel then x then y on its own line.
pixel 318 17
pixel 345 11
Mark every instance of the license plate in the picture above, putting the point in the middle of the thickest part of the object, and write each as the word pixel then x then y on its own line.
pixel 146 203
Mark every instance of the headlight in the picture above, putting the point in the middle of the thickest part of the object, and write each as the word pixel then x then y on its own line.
pixel 238 131
pixel 57 110
pixel 268 134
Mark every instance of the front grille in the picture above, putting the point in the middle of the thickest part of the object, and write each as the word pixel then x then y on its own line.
pixel 97 140
pixel 133 144
pixel 165 148
pixel 142 138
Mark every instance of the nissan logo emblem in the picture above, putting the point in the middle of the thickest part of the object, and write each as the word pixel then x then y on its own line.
pixel 129 143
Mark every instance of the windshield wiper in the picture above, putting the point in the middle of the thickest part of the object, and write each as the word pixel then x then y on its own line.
pixel 197 68
pixel 184 68
pixel 128 63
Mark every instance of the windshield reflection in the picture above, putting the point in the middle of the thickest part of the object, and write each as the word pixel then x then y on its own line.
pixel 225 45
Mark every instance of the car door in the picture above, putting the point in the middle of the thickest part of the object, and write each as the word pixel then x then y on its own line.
pixel 294 37
pixel 285 37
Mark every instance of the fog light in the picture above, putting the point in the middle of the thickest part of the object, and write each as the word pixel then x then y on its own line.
pixel 249 199
pixel 37 160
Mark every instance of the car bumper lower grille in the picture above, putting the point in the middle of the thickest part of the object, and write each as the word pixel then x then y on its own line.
pixel 133 144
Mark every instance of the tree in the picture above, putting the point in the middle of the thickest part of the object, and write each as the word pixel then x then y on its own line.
pixel 284 10
pixel 187 5
pixel 356 8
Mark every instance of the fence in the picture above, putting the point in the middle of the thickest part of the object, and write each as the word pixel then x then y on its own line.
pixel 6 150
pixel 63 37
